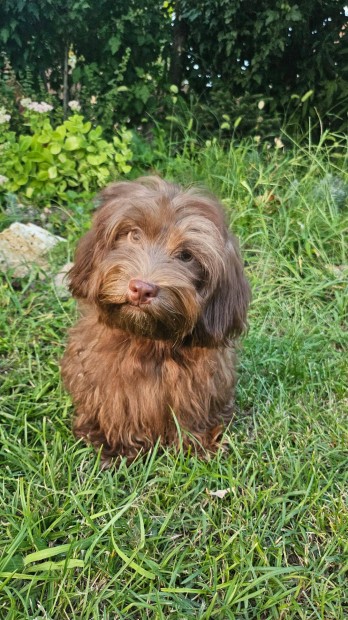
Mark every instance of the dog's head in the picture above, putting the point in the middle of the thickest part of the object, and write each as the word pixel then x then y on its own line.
pixel 160 263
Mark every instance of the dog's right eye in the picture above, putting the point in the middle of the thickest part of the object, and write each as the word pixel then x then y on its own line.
pixel 134 235
pixel 185 256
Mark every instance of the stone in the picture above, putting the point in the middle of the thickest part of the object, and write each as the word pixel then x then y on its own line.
pixel 25 245
pixel 61 281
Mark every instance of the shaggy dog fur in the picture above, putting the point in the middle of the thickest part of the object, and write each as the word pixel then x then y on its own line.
pixel 162 293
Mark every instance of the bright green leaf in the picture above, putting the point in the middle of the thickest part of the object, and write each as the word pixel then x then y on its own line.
pixel 52 172
pixel 55 148
pixel 73 143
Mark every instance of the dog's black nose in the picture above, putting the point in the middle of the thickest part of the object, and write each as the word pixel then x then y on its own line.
pixel 140 292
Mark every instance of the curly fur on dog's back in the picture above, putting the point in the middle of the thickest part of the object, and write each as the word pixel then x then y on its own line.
pixel 162 290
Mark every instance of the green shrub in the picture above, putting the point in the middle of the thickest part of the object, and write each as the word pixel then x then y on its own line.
pixel 48 161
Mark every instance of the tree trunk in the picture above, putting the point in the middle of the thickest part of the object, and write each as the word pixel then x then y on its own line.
pixel 177 55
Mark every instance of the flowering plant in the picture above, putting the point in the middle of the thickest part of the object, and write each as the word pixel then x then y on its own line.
pixel 50 160
pixel 74 106
pixel 40 108
pixel 4 118
pixel 35 113
pixel 6 136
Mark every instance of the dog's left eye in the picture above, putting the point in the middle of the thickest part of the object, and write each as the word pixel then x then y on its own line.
pixel 134 235
pixel 185 256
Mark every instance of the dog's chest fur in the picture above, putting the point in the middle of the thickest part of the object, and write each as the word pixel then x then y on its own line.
pixel 137 385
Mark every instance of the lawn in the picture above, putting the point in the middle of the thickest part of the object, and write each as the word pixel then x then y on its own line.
pixel 154 540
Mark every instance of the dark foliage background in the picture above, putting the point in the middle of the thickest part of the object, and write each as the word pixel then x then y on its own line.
pixel 248 67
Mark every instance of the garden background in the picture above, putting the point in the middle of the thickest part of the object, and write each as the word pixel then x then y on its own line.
pixel 249 99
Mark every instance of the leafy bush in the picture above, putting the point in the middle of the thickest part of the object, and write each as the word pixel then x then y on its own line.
pixel 48 161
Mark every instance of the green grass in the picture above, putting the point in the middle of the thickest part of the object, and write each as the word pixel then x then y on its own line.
pixel 150 540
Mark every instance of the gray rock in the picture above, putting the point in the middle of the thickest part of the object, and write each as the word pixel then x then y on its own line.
pixel 61 282
pixel 22 245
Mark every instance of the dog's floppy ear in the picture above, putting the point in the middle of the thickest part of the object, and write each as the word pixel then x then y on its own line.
pixel 80 277
pixel 80 274
pixel 225 311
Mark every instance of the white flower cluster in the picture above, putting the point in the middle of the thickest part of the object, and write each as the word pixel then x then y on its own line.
pixel 25 102
pixel 74 106
pixel 4 118
pixel 278 143
pixel 35 106
pixel 3 179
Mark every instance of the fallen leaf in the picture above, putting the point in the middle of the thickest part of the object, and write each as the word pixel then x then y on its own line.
pixel 220 493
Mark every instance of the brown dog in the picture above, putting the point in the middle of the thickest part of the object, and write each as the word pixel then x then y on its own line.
pixel 162 291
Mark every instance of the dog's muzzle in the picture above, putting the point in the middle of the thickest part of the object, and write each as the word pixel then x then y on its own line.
pixel 140 292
